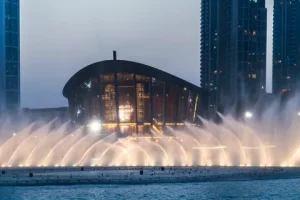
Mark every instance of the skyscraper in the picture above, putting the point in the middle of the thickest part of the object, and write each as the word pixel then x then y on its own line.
pixel 9 55
pixel 240 55
pixel 208 42
pixel 286 46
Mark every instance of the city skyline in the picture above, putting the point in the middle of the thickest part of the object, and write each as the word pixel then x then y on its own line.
pixel 55 36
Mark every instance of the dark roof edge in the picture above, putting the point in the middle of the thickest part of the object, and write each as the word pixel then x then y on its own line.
pixel 118 65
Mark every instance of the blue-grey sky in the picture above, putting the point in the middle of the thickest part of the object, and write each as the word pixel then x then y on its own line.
pixel 59 37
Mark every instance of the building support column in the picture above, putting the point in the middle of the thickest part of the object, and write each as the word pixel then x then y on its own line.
pixel 136 106
pixel 117 101
pixel 177 106
pixel 151 103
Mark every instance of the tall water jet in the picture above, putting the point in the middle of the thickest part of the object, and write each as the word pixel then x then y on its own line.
pixel 261 141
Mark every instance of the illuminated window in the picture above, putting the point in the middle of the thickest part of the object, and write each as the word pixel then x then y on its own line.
pixel 124 77
pixel 107 78
pixel 127 129
pixel 143 102
pixel 253 75
pixel 108 104
pixel 141 78
pixel 126 103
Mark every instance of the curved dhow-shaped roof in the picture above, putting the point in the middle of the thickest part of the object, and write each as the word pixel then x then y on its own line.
pixel 111 66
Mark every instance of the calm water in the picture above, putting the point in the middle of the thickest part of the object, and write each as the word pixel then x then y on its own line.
pixel 274 189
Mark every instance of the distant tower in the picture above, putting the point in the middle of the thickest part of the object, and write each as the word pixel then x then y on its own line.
pixel 242 64
pixel 9 55
pixel 233 49
pixel 286 46
pixel 208 48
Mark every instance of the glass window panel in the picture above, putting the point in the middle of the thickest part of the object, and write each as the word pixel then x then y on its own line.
pixel 14 12
pixel 157 100
pixel 14 54
pixel 182 102
pixel 12 83
pixel 108 104
pixel 171 100
pixel 110 128
pixel 86 108
pixel 126 103
pixel 143 102
pixel 8 53
pixel 8 39
pixel 8 9
pixel 125 78
pixel 141 78
pixel 14 25
pixel 12 99
pixel 7 24
pixel 191 106
pixel 95 107
pixel 107 78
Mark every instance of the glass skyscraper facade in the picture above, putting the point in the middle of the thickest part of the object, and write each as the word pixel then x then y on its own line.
pixel 286 46
pixel 9 55
pixel 233 49
pixel 209 42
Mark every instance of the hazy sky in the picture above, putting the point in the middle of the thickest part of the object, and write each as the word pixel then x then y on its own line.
pixel 59 37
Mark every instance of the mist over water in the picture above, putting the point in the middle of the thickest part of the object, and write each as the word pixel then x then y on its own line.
pixel 268 139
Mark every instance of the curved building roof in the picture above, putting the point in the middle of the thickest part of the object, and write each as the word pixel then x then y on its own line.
pixel 111 66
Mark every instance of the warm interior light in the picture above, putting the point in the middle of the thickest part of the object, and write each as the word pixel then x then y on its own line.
pixel 125 112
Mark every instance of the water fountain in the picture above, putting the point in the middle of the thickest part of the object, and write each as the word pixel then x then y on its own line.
pixel 271 139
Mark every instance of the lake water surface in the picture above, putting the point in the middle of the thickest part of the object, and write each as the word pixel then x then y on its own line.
pixel 263 189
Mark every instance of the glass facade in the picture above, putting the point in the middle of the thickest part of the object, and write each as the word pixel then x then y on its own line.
pixel 10 52
pixel 209 47
pixel 133 103
pixel 233 50
pixel 286 46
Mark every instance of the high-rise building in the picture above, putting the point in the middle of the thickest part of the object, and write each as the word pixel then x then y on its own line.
pixel 237 30
pixel 9 55
pixel 208 41
pixel 286 46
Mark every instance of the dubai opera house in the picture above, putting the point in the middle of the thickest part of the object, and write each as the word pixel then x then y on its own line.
pixel 132 98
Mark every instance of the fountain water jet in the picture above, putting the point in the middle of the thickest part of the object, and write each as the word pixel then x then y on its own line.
pixel 270 140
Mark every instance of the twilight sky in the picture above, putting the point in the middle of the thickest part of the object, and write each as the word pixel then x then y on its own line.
pixel 59 37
